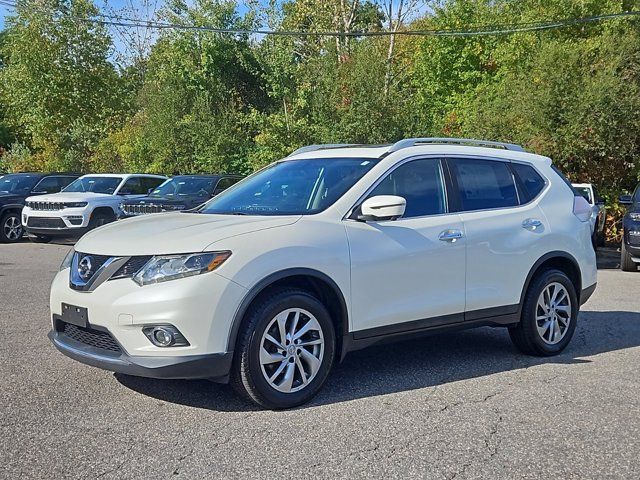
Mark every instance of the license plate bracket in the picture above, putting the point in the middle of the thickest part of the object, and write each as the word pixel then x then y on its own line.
pixel 75 315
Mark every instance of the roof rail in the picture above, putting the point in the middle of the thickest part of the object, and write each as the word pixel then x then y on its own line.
pixel 412 142
pixel 326 146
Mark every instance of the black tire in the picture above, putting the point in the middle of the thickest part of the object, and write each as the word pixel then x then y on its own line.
pixel 626 263
pixel 525 334
pixel 39 238
pixel 11 229
pixel 99 219
pixel 246 373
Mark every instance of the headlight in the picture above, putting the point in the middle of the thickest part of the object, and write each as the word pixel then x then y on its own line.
pixel 169 267
pixel 75 204
pixel 66 263
pixel 634 216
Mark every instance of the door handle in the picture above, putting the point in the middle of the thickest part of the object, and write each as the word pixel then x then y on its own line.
pixel 450 235
pixel 531 224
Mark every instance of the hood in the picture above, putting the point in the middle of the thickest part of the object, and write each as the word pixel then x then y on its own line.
pixel 67 197
pixel 166 233
pixel 184 200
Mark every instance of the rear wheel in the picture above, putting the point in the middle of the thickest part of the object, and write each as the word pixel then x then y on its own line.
pixel 285 351
pixel 549 315
pixel 10 228
pixel 626 262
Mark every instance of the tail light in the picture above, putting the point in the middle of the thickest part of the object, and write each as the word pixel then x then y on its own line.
pixel 581 208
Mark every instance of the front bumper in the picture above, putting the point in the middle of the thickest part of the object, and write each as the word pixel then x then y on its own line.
pixel 214 366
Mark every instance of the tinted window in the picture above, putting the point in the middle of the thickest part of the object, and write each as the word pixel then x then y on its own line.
pixel 64 181
pixel 291 187
pixel 106 185
pixel 47 185
pixel 531 181
pixel 485 184
pixel 149 183
pixel 133 186
pixel 223 184
pixel 420 183
pixel 19 184
pixel 183 186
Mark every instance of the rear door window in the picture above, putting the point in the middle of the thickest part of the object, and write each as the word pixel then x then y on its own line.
pixel 484 184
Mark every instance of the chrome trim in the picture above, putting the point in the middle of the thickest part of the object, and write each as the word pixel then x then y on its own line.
pixel 106 270
pixel 412 142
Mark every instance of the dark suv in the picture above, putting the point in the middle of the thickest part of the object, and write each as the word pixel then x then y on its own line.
pixel 14 188
pixel 630 251
pixel 182 192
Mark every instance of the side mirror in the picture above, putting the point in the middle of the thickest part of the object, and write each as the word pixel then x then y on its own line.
pixel 382 207
pixel 625 199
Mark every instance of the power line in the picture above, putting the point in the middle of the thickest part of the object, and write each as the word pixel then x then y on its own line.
pixel 478 31
pixel 482 30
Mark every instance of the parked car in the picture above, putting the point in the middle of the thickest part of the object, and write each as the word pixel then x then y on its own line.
pixel 15 188
pixel 332 249
pixel 182 192
pixel 630 249
pixel 88 202
pixel 598 219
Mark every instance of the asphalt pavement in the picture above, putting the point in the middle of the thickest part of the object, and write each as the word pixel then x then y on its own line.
pixel 460 405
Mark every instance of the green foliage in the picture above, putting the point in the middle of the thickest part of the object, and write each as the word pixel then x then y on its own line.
pixel 204 102
pixel 60 91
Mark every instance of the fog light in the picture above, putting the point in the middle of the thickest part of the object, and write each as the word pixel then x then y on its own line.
pixel 165 336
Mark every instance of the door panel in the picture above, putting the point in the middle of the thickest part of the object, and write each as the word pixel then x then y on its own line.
pixel 500 253
pixel 503 238
pixel 401 271
pixel 411 268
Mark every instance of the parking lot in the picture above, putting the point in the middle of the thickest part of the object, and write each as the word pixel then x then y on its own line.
pixel 463 405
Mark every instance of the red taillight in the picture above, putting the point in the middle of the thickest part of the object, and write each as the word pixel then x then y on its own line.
pixel 582 209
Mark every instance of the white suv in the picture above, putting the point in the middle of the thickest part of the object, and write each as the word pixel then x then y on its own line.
pixel 88 202
pixel 332 249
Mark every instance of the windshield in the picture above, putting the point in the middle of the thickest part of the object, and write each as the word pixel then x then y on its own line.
pixel 18 184
pixel 585 192
pixel 106 185
pixel 181 186
pixel 292 187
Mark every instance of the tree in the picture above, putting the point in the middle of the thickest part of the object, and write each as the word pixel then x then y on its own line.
pixel 59 88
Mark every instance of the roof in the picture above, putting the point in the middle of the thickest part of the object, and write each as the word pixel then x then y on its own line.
pixel 377 151
pixel 123 175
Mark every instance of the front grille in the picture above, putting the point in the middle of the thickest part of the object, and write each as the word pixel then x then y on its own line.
pixel 89 336
pixel 132 266
pixel 142 209
pixel 634 240
pixel 43 222
pixel 46 206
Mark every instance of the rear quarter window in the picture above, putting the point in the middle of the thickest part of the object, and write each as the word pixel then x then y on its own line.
pixel 531 182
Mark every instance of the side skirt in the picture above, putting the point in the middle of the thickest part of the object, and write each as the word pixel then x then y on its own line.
pixel 492 317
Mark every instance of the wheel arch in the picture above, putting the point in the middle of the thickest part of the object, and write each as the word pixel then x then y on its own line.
pixel 104 209
pixel 564 262
pixel 314 281
pixel 12 207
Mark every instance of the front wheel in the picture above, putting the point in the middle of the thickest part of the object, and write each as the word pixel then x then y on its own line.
pixel 285 351
pixel 10 228
pixel 549 315
pixel 626 262
pixel 100 219
pixel 39 238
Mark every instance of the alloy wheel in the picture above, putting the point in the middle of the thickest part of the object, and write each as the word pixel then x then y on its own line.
pixel 291 350
pixel 12 228
pixel 553 313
